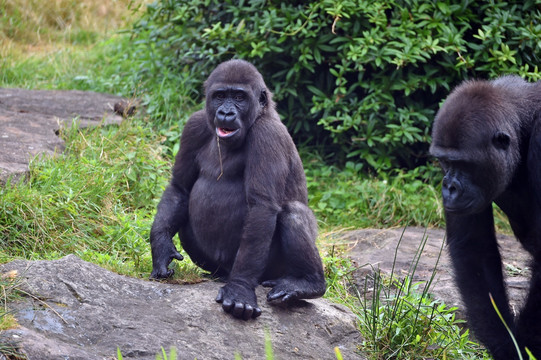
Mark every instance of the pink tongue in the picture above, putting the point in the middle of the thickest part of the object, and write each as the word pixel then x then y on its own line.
pixel 223 131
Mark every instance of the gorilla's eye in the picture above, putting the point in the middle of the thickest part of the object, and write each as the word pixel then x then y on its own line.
pixel 219 95
pixel 240 97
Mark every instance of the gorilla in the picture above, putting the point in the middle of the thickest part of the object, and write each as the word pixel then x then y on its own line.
pixel 487 138
pixel 238 198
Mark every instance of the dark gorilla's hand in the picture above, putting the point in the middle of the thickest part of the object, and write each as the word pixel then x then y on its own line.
pixel 283 290
pixel 239 300
pixel 161 261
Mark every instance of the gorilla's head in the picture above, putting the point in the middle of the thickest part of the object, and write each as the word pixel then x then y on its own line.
pixel 236 96
pixel 476 140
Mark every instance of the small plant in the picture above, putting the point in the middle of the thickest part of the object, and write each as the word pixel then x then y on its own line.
pixel 519 353
pixel 9 283
pixel 399 319
pixel 172 354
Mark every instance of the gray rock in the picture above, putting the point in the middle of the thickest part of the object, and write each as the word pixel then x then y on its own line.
pixel 371 249
pixel 80 311
pixel 30 120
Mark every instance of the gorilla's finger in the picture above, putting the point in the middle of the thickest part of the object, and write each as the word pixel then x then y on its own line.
pixel 290 296
pixel 161 273
pixel 238 310
pixel 220 296
pixel 248 312
pixel 176 255
pixel 269 283
pixel 256 313
pixel 275 295
pixel 227 305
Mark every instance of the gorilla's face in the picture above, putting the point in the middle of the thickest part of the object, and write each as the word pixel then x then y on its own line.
pixel 476 147
pixel 232 110
pixel 229 113
pixel 236 96
pixel 464 189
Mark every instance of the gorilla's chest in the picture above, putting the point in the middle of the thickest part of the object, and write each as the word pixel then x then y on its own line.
pixel 217 206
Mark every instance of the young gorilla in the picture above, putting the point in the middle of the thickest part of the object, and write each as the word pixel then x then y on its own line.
pixel 238 198
pixel 487 138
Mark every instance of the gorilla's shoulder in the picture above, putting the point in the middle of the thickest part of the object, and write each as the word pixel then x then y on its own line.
pixel 271 128
pixel 197 125
pixel 197 118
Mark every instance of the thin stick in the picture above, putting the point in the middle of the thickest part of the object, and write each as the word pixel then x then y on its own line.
pixel 220 156
pixel 44 303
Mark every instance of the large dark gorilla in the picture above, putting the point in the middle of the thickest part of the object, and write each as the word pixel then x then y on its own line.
pixel 487 137
pixel 238 198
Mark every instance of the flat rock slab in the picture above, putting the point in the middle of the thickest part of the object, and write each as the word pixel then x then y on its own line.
pixel 372 249
pixel 80 311
pixel 30 120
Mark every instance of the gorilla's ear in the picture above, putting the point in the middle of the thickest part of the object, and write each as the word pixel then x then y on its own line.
pixel 501 140
pixel 263 98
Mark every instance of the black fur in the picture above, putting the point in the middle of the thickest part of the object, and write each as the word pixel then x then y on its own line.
pixel 238 198
pixel 488 140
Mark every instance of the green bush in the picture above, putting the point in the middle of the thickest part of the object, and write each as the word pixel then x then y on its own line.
pixel 362 79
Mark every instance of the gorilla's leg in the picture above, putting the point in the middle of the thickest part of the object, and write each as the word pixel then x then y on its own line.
pixel 302 276
pixel 190 245
pixel 529 322
pixel 478 272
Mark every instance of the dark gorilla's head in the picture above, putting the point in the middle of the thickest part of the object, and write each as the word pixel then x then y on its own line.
pixel 476 140
pixel 236 96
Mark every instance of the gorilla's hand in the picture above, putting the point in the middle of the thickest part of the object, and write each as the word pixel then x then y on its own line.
pixel 161 261
pixel 283 290
pixel 239 300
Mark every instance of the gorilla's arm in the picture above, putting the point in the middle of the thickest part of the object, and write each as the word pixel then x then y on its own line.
pixel 534 159
pixel 238 295
pixel 265 178
pixel 172 211
pixel 530 316
pixel 478 272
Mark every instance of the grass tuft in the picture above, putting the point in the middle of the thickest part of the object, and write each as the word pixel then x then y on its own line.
pixel 399 319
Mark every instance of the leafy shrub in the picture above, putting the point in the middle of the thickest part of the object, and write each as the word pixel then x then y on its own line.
pixel 363 79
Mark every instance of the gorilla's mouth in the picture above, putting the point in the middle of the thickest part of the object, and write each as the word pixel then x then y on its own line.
pixel 464 209
pixel 226 132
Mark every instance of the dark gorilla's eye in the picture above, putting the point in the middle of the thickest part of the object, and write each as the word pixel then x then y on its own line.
pixel 239 97
pixel 219 95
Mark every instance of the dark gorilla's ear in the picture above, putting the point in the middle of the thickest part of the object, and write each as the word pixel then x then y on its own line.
pixel 263 98
pixel 501 140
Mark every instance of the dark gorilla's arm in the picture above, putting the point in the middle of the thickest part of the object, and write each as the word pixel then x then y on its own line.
pixel 528 323
pixel 478 272
pixel 265 178
pixel 173 207
pixel 238 295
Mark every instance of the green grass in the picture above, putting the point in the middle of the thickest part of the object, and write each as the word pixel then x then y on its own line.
pixel 399 319
pixel 98 198
pixel 345 197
